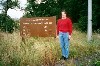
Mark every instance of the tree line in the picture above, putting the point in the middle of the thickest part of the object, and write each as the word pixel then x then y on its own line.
pixel 77 10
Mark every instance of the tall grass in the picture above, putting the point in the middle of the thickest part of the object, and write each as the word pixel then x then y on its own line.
pixel 40 51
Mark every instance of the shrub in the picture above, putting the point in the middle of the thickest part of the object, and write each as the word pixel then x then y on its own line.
pixel 7 24
pixel 83 23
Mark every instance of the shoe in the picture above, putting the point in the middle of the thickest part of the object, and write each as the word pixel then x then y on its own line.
pixel 62 58
pixel 65 58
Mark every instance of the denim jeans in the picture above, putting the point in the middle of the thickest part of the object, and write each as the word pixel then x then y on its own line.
pixel 64 43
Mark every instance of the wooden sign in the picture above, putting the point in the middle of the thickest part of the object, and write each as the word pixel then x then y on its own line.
pixel 38 26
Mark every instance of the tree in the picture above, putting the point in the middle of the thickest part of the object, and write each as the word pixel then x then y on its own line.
pixel 53 8
pixel 6 23
pixel 77 10
pixel 45 8
pixel 8 4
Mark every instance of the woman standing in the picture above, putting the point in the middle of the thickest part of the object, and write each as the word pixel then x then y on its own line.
pixel 64 30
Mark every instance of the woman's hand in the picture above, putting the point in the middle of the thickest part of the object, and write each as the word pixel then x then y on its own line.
pixel 69 37
pixel 57 37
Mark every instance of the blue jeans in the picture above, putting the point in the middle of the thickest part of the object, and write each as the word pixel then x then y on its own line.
pixel 64 43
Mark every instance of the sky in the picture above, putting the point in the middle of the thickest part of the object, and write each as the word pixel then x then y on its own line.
pixel 17 13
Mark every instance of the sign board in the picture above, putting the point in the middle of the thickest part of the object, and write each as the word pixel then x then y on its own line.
pixel 38 26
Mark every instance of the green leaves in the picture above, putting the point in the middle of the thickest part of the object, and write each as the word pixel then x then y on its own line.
pixel 7 24
pixel 77 11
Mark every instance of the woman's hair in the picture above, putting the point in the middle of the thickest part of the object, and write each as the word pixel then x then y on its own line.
pixel 64 11
pixel 67 15
pixel 61 12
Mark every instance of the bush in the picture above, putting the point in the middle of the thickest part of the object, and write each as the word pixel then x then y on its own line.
pixel 83 23
pixel 7 24
pixel 97 63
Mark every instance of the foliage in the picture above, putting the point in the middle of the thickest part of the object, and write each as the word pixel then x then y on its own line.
pixel 8 4
pixel 7 24
pixel 83 23
pixel 77 11
pixel 96 14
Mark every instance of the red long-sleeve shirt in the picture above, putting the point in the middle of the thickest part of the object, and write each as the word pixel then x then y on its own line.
pixel 64 25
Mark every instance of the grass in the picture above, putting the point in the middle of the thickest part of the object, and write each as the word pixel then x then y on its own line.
pixel 40 51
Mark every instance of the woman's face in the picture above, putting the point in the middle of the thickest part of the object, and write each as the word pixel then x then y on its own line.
pixel 63 15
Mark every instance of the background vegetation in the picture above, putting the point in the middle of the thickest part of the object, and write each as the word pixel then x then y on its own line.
pixel 77 11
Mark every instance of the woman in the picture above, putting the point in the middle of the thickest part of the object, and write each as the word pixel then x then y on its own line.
pixel 64 30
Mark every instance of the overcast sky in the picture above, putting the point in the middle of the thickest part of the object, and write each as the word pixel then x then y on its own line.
pixel 17 13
